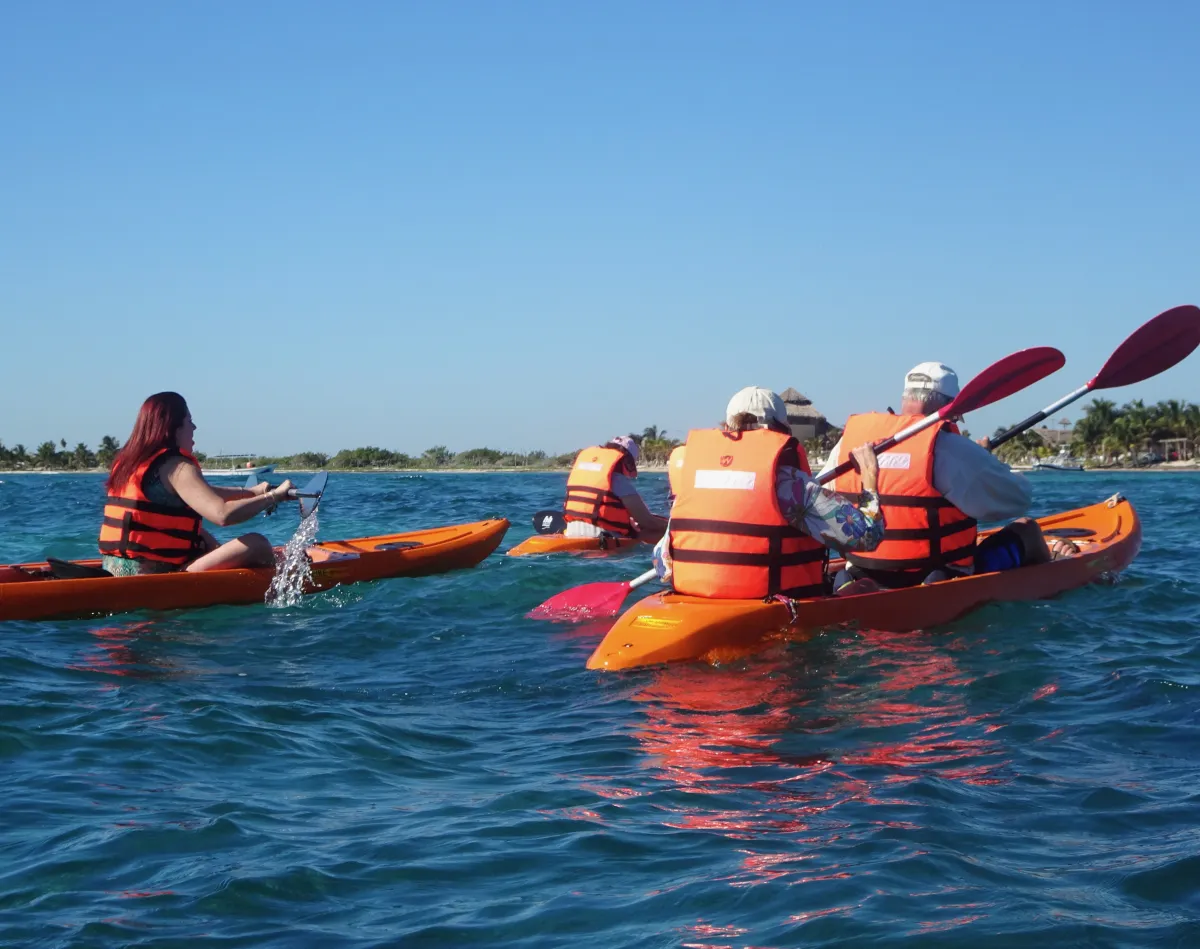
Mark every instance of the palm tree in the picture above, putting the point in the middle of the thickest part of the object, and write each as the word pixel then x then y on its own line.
pixel 1191 423
pixel 82 457
pixel 45 454
pixel 109 447
pixel 1097 421
pixel 651 433
pixel 1110 445
pixel 1018 448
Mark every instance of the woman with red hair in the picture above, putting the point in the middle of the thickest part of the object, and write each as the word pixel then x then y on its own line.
pixel 157 499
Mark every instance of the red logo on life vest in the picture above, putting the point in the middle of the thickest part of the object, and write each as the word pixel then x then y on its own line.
pixel 726 461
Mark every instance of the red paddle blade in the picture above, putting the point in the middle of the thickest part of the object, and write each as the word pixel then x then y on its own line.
pixel 590 601
pixel 1004 377
pixel 1155 347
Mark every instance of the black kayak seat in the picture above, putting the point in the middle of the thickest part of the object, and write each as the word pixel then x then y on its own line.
pixel 67 570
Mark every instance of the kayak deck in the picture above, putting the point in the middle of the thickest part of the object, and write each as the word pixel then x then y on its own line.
pixel 31 592
pixel 561 544
pixel 669 627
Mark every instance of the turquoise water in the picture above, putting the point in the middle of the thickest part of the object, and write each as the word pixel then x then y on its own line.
pixel 412 763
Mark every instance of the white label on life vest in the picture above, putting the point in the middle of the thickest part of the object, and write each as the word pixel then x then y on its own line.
pixel 895 460
pixel 730 480
pixel 589 466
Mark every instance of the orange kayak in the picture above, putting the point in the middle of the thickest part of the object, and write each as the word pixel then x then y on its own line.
pixel 668 627
pixel 561 544
pixel 31 592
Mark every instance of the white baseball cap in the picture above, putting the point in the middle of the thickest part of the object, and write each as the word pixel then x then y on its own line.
pixel 759 402
pixel 627 442
pixel 933 377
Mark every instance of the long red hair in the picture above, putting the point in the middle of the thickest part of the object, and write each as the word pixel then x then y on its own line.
pixel 158 419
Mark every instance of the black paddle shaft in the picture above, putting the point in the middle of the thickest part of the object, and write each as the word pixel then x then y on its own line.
pixel 1016 430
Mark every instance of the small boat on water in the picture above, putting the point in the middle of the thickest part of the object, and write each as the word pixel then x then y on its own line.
pixel 236 472
pixel 65 589
pixel 669 627
pixel 1063 461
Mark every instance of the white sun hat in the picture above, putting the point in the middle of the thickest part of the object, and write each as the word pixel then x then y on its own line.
pixel 932 377
pixel 762 403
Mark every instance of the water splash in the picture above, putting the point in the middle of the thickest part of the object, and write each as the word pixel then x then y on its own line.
pixel 293 569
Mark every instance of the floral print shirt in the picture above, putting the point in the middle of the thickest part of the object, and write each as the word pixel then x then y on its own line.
pixel 814 510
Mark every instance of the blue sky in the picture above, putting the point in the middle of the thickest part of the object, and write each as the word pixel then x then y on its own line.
pixel 534 225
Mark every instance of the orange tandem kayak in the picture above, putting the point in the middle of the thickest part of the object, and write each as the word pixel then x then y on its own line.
pixel 668 627
pixel 31 592
pixel 561 544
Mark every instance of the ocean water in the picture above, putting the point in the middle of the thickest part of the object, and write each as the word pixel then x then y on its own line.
pixel 412 763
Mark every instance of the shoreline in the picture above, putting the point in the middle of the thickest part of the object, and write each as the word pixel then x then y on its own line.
pixel 1145 469
pixel 1167 468
pixel 228 479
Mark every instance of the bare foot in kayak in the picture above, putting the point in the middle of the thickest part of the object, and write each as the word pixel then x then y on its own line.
pixel 1061 547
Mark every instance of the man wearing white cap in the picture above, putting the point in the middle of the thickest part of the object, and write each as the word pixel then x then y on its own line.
pixel 934 488
pixel 602 498
pixel 749 520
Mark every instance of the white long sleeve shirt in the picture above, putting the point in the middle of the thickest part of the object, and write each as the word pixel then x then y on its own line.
pixel 972 479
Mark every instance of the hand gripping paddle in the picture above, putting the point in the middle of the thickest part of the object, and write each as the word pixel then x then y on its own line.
pixel 309 495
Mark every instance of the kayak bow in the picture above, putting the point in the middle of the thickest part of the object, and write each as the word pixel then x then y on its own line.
pixel 31 592
pixel 668 627
pixel 561 544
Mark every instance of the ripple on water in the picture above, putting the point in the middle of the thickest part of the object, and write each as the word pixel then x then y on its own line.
pixel 414 763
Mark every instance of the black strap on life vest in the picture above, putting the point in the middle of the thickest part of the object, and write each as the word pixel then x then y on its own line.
pixel 934 533
pixel 124 547
pixel 597 498
pixel 774 560
pixel 150 507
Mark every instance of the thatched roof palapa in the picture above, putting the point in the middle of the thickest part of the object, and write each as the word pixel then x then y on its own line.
pixel 800 409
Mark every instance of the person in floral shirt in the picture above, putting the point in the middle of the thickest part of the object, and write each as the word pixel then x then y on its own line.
pixel 822 514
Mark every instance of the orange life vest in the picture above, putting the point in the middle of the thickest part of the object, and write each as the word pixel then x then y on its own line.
pixel 923 530
pixel 675 470
pixel 589 492
pixel 729 540
pixel 137 528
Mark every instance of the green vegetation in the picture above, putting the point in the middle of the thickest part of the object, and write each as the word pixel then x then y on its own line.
pixel 1132 434
pixel 655 446
pixel 55 456
pixel 51 456
pixel 1106 433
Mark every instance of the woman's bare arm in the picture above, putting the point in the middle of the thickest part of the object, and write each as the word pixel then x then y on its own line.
pixel 650 526
pixel 198 494
pixel 236 494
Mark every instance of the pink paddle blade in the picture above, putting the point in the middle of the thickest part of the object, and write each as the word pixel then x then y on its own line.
pixel 590 601
pixel 1154 347
pixel 1006 376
